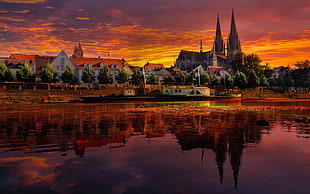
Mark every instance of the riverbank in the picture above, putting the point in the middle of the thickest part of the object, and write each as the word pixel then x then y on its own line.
pixel 31 96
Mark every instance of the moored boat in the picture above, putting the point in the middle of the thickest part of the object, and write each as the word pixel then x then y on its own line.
pixel 195 94
pixel 173 93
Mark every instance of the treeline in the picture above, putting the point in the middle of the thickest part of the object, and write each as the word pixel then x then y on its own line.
pixel 49 75
pixel 247 72
pixel 256 74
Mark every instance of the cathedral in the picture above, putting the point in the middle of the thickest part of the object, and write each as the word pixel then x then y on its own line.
pixel 218 56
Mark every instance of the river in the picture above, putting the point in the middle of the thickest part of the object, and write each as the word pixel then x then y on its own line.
pixel 96 148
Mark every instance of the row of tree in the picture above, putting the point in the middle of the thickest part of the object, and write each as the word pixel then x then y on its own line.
pixel 262 75
pixel 249 73
pixel 105 76
pixel 49 75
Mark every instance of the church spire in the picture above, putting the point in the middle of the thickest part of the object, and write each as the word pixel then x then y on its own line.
pixel 201 50
pixel 218 26
pixel 233 42
pixel 233 29
pixel 219 46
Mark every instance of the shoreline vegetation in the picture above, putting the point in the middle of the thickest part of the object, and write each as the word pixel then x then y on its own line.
pixel 73 94
pixel 24 93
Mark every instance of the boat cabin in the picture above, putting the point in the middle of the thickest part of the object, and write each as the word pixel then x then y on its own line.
pixel 129 92
pixel 192 91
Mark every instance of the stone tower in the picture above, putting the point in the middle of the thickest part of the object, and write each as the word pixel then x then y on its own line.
pixel 219 46
pixel 78 51
pixel 233 42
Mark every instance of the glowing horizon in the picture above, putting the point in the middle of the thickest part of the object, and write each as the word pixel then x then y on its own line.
pixel 153 31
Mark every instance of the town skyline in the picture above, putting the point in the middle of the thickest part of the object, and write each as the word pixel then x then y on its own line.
pixel 153 31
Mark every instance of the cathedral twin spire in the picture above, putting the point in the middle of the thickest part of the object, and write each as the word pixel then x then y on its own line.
pixel 233 42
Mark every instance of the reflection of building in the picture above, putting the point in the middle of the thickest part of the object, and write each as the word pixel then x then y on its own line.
pixel 82 143
pixel 218 142
pixel 62 128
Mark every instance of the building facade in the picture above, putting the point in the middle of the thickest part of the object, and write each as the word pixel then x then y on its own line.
pixel 78 62
pixel 219 55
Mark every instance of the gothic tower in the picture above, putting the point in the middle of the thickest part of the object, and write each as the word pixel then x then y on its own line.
pixel 219 46
pixel 233 42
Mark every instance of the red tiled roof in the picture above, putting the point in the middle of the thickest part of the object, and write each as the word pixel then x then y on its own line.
pixel 214 69
pixel 153 66
pixel 23 57
pixel 80 61
pixel 14 63
pixel 41 61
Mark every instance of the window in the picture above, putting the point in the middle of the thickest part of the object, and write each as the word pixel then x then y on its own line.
pixel 62 60
pixel 62 67
pixel 57 67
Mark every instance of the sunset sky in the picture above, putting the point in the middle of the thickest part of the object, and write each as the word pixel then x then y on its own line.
pixel 154 30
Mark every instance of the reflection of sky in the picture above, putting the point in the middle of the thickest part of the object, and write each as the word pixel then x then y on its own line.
pixel 277 164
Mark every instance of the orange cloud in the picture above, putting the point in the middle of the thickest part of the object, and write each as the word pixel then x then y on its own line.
pixel 39 162
pixel 23 1
pixel 12 19
pixel 31 169
pixel 280 52
pixel 49 7
pixel 154 31
pixel 23 11
pixel 3 11
pixel 32 177
pixel 82 18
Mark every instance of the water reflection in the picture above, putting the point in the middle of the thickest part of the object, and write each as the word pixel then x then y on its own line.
pixel 64 129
